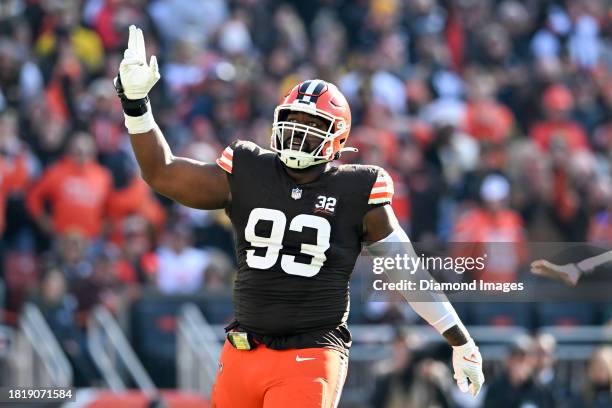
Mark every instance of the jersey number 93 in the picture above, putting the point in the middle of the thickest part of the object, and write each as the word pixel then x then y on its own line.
pixel 274 242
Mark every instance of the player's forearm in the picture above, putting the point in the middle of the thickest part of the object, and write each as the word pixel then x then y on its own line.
pixel 153 155
pixel 433 307
pixel 441 315
pixel 150 147
pixel 588 264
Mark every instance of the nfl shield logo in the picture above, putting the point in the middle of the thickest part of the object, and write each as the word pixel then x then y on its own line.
pixel 296 193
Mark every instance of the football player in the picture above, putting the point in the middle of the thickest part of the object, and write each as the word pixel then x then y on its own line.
pixel 299 225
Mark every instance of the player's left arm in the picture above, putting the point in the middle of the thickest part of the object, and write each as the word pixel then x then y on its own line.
pixel 382 232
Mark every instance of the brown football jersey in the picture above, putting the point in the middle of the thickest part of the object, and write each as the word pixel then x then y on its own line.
pixel 297 245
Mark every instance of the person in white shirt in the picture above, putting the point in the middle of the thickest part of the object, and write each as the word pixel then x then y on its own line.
pixel 181 267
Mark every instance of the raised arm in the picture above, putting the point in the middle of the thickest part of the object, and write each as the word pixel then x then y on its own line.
pixel 186 181
pixel 189 182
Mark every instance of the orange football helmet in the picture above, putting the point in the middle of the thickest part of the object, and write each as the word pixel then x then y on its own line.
pixel 323 100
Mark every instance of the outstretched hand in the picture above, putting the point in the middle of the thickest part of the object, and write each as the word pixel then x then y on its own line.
pixel 568 273
pixel 136 76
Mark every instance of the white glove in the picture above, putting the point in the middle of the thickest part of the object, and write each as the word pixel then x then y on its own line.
pixel 137 77
pixel 467 364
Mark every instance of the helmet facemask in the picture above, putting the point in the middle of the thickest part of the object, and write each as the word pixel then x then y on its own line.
pixel 300 146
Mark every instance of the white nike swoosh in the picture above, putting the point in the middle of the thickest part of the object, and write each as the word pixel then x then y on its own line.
pixel 298 358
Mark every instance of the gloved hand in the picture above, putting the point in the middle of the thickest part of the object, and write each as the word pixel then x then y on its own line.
pixel 467 364
pixel 136 77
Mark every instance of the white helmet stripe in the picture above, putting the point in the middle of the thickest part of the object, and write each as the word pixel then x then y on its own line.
pixel 310 90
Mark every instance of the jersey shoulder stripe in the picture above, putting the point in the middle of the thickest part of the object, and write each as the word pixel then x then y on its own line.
pixel 243 154
pixel 225 161
pixel 372 183
pixel 382 189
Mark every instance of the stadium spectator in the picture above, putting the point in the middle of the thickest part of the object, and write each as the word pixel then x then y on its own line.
pixel 130 196
pixel 545 348
pixel 66 78
pixel 452 153
pixel 137 263
pixel 101 285
pixel 597 391
pixel 59 310
pixel 572 191
pixel 220 273
pixel 62 25
pixel 21 274
pixel 374 154
pixel 77 190
pixel 89 271
pixel 517 386
pixel 558 128
pixel 426 188
pixel 181 267
pixel 411 379
pixel 600 225
pixel 546 371
pixel 15 164
pixel 495 230
pixel 177 20
pixel 46 134
pixel 20 78
pixel 528 167
pixel 70 255
pixel 389 308
pixel 211 229
pixel 584 44
pixel 111 19
pixel 134 199
pixel 486 119
pixel 103 119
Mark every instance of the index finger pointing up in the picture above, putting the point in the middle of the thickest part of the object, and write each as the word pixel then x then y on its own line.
pixel 132 38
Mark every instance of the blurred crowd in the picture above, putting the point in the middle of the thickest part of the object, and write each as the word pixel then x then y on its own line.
pixel 528 377
pixel 493 117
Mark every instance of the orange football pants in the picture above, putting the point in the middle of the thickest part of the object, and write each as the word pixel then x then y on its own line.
pixel 266 378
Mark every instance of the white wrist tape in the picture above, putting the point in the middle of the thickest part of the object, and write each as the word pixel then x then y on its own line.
pixel 432 306
pixel 140 124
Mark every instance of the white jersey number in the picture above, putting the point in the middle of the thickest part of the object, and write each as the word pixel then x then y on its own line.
pixel 274 242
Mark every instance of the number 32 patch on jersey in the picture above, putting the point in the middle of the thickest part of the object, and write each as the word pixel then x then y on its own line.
pixel 326 205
